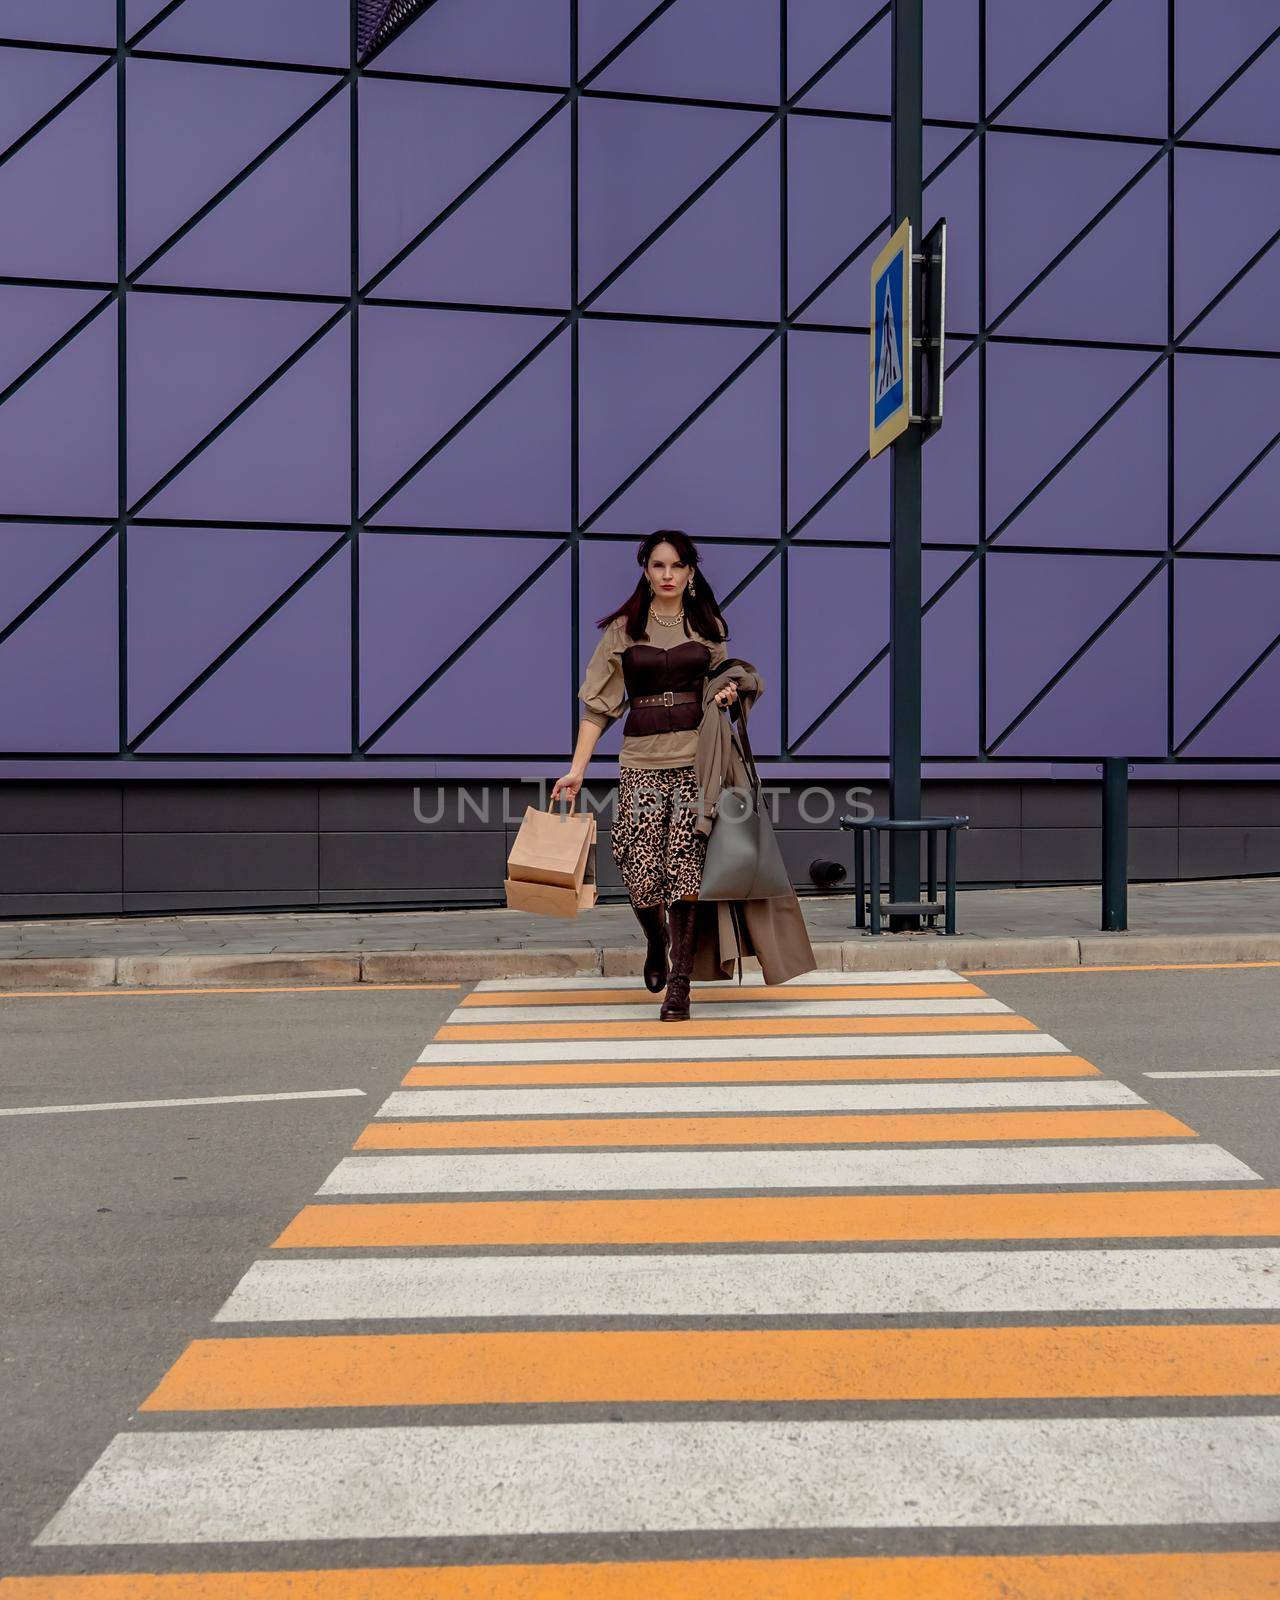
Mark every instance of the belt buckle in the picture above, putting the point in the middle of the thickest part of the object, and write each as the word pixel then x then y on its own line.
pixel 668 699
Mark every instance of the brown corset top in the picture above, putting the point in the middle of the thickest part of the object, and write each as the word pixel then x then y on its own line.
pixel 649 670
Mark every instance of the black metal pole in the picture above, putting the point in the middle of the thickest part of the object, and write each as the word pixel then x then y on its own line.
pixel 904 547
pixel 1115 844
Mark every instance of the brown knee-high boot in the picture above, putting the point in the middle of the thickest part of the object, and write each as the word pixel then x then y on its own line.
pixel 675 1008
pixel 653 919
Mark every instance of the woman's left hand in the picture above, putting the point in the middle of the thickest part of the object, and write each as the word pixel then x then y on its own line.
pixel 726 696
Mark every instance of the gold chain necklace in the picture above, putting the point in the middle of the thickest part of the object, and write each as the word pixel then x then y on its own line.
pixel 668 622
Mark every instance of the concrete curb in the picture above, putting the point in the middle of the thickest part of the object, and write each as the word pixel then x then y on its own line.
pixel 888 952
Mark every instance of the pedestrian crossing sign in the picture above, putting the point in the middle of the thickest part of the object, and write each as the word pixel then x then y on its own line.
pixel 891 345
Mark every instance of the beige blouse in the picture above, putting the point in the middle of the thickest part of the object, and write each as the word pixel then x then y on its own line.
pixel 604 696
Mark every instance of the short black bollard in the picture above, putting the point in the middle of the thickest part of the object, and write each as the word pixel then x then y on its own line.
pixel 1115 844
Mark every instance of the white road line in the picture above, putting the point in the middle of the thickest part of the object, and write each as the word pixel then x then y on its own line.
pixel 917 1167
pixel 678 1099
pixel 725 1010
pixel 752 980
pixel 682 1048
pixel 255 1485
pixel 195 1100
pixel 790 1284
pixel 1237 1072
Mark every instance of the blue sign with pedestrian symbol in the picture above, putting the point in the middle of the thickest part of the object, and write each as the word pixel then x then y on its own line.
pixel 891 340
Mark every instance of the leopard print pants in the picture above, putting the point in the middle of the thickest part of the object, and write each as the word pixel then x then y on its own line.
pixel 654 843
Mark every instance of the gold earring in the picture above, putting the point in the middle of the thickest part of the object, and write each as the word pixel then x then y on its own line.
pixel 691 586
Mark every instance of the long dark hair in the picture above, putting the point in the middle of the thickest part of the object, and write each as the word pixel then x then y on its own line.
pixel 702 614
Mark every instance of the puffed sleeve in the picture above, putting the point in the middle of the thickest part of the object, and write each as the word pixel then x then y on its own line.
pixel 603 692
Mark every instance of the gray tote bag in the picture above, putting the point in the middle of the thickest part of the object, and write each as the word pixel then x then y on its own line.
pixel 743 861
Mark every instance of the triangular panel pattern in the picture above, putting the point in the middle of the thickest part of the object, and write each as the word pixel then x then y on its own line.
pixel 67 22
pixel 1226 205
pixel 32 320
pixel 287 458
pixel 705 50
pixel 422 597
pixel 532 640
pixel 192 592
pixel 604 24
pixel 949 661
pixel 1245 318
pixel 191 128
pixel 720 477
pixel 1212 42
pixel 71 397
pixel 1020 37
pixel 838 620
pixel 861 80
pixel 1114 492
pixel 286 227
pixel 951 59
pixel 755 632
pixel 35 81
pixel 59 672
pixel 1112 702
pixel 1246 725
pixel 192 360
pixel 1226 613
pixel 640 160
pixel 286 690
pixel 57 194
pixel 506 245
pixel 639 382
pixel 827 436
pixel 509 467
pixel 1025 441
pixel 1112 78
pixel 951 458
pixel 838 186
pixel 1084 297
pixel 859 725
pixel 1025 235
pixel 1040 610
pixel 421 146
pixel 720 259
pixel 816 29
pixel 1249 111
pixel 1226 411
pixel 1246 521
pixel 314 32
pixel 32 554
pixel 421 371
pixel 512 41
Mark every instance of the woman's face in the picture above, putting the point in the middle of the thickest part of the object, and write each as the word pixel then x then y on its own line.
pixel 666 572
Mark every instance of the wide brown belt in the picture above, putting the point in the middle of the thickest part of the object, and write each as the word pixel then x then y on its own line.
pixel 668 697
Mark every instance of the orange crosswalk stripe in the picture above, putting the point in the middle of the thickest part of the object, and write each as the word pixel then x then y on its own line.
pixel 1172 1575
pixel 729 1028
pixel 836 990
pixel 800 1219
pixel 817 1069
pixel 744 1366
pixel 932 1127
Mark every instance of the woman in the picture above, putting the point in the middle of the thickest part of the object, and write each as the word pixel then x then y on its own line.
pixel 655 654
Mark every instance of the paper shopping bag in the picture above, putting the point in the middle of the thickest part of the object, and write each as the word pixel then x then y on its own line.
pixel 552 869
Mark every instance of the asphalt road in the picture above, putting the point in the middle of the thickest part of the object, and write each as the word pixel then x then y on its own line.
pixel 122 1232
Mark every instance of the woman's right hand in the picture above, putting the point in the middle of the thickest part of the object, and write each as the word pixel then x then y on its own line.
pixel 566 788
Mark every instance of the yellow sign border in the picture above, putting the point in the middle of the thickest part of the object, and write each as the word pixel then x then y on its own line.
pixel 900 421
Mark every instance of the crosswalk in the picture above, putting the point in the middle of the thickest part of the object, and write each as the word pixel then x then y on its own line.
pixel 713 1309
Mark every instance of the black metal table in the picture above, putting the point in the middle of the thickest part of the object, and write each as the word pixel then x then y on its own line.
pixel 931 908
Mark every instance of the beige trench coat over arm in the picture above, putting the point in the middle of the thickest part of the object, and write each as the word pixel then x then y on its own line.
pixel 773 930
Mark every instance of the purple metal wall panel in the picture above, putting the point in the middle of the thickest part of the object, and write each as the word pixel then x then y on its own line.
pixel 411 350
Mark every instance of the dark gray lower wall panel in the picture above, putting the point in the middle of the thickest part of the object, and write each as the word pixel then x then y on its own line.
pixel 102 848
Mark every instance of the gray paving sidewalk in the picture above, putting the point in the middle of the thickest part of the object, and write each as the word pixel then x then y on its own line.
pixel 1230 919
